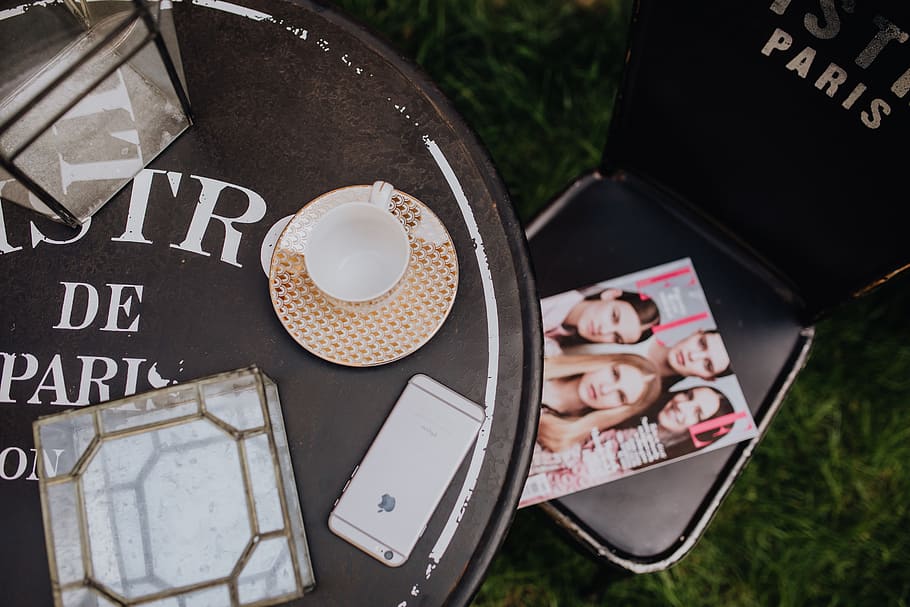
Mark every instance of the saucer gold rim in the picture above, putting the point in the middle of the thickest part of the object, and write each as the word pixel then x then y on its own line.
pixel 381 331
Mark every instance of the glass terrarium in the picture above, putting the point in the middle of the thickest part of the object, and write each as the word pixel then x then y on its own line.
pixel 90 93
pixel 179 497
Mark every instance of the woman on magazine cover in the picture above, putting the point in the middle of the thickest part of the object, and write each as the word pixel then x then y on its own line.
pixel 608 388
pixel 605 316
pixel 683 410
pixel 701 354
pixel 578 467
pixel 674 414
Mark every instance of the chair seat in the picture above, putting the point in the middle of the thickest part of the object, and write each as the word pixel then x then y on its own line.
pixel 604 227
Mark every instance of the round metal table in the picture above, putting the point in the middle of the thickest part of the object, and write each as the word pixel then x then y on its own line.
pixel 291 100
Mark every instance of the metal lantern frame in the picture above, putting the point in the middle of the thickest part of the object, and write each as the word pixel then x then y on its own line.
pixel 235 417
pixel 141 13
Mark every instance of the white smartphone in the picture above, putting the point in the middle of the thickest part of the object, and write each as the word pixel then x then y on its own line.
pixel 386 504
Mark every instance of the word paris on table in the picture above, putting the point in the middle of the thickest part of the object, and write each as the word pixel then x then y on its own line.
pixel 117 306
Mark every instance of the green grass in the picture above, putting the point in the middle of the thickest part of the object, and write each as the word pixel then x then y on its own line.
pixel 820 515
pixel 534 78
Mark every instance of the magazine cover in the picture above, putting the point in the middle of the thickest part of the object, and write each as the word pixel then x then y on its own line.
pixel 636 375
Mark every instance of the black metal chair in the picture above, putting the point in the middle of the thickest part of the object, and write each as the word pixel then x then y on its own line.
pixel 761 142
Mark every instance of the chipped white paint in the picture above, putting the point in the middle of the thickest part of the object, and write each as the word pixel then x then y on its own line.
pixel 156 381
pixel 298 32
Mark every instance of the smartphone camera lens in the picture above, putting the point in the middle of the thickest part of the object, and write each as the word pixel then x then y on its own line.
pixel 389 555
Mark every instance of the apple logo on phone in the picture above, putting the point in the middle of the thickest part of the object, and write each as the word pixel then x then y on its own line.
pixel 386 503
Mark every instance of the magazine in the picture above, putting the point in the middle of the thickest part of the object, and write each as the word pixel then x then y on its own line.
pixel 636 375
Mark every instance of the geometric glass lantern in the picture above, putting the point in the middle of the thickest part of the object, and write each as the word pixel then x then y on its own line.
pixel 179 497
pixel 90 93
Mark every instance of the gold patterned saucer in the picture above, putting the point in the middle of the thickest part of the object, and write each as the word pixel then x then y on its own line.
pixel 376 332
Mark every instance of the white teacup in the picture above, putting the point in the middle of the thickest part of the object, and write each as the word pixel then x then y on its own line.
pixel 358 252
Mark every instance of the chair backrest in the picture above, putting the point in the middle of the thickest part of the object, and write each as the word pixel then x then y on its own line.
pixel 785 121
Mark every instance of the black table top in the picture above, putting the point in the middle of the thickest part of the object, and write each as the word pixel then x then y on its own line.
pixel 291 100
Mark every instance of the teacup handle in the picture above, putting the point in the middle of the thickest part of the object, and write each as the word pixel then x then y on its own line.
pixel 381 194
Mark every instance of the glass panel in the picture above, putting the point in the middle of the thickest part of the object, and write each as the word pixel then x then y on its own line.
pixel 30 40
pixel 147 586
pixel 65 532
pixel 168 602
pixel 216 596
pixel 268 573
pixel 235 401
pixel 128 523
pixel 265 488
pixel 74 85
pixel 166 508
pixel 198 516
pixel 85 597
pixel 70 436
pixel 148 62
pixel 286 469
pixel 143 411
pixel 112 488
